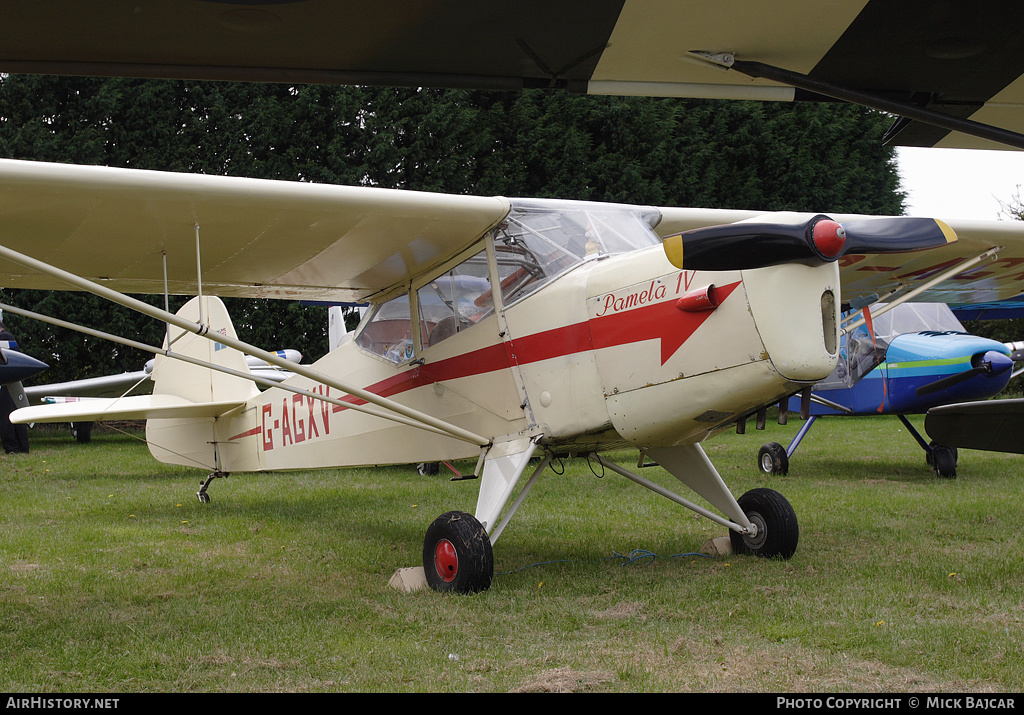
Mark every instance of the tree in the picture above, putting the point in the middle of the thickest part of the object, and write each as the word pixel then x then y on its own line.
pixel 536 144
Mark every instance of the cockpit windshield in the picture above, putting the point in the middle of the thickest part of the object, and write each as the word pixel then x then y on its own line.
pixel 541 239
pixel 915 318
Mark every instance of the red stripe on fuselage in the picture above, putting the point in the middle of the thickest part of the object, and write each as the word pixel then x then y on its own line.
pixel 661 321
pixel 657 321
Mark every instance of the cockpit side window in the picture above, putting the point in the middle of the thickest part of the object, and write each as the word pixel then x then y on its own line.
pixel 455 300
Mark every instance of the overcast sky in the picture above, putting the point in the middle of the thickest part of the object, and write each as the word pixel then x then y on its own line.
pixel 959 183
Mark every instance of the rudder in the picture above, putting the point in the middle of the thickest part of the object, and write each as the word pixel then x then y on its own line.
pixel 207 442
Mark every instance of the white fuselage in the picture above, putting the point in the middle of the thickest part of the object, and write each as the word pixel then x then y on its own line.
pixel 602 357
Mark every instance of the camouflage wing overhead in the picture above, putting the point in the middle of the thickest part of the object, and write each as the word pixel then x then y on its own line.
pixel 961 60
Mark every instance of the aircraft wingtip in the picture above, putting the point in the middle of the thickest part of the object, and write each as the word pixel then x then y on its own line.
pixel 947 231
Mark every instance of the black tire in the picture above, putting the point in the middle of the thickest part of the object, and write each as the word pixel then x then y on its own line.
pixel 944 461
pixel 777 528
pixel 931 448
pixel 428 468
pixel 82 431
pixel 457 555
pixel 772 459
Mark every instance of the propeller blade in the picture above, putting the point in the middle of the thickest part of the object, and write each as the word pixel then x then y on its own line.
pixel 17 391
pixel 949 381
pixel 744 245
pixel 896 234
pixel 988 363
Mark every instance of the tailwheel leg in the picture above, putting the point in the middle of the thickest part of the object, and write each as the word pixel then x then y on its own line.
pixel 204 485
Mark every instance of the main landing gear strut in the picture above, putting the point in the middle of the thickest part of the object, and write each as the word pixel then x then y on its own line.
pixel 458 547
pixel 774 458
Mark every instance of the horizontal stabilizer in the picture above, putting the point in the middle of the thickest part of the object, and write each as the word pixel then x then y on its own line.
pixel 989 425
pixel 138 407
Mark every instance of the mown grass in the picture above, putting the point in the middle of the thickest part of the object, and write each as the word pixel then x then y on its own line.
pixel 114 578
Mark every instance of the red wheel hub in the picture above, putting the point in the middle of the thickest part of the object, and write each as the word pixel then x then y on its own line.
pixel 446 561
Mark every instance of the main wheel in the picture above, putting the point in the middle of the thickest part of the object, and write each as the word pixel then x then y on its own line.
pixel 428 468
pixel 777 529
pixel 457 554
pixel 82 431
pixel 944 460
pixel 773 459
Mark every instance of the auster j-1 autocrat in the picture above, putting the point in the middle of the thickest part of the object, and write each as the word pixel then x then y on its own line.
pixel 500 330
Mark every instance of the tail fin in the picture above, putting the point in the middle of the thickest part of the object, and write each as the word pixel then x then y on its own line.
pixel 336 329
pixel 194 382
pixel 211 442
pixel 194 412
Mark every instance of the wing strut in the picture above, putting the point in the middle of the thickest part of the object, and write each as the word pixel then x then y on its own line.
pixel 418 418
pixel 853 96
pixel 266 382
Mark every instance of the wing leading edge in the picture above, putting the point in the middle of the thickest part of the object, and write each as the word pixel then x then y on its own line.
pixel 256 238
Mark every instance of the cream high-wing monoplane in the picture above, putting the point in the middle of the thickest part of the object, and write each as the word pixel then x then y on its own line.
pixel 502 329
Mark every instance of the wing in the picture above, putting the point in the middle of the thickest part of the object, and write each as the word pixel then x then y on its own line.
pixel 297 240
pixel 132 383
pixel 256 238
pixel 992 425
pixel 959 59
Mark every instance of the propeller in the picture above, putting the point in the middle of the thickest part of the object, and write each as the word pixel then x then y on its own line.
pixel 744 245
pixel 990 363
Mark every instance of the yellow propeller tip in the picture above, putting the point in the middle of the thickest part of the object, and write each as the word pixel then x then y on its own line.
pixel 674 250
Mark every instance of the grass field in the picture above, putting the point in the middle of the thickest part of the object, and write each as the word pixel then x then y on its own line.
pixel 114 578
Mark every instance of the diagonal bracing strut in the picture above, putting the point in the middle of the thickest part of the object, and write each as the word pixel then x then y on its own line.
pixel 416 417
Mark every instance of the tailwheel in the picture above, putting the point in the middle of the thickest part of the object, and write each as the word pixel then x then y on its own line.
pixel 777 528
pixel 203 494
pixel 773 459
pixel 82 432
pixel 457 554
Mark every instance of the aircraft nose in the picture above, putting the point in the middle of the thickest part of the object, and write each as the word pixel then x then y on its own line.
pixel 15 366
pixel 998 362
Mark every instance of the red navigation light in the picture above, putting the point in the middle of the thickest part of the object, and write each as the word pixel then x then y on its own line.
pixel 829 238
